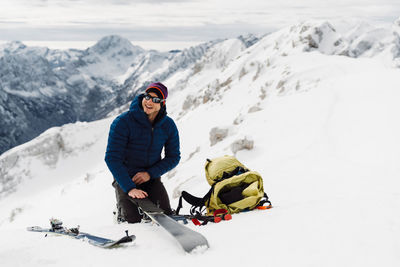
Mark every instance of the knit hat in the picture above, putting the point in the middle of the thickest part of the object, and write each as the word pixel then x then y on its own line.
pixel 159 89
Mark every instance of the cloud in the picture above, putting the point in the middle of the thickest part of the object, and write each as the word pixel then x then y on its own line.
pixel 89 33
pixel 175 19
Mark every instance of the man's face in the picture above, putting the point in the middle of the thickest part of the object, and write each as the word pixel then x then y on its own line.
pixel 149 107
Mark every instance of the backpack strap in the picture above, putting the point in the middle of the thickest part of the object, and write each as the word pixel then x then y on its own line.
pixel 263 201
pixel 206 198
pixel 196 202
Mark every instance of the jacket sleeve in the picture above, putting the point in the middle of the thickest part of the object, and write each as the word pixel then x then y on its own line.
pixel 172 154
pixel 115 154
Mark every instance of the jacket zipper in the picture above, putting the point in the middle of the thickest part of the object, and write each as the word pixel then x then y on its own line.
pixel 151 143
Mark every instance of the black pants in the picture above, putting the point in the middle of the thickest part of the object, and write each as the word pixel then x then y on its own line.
pixel 155 189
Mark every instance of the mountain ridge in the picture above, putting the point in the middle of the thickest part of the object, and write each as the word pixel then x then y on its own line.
pixel 81 85
pixel 86 85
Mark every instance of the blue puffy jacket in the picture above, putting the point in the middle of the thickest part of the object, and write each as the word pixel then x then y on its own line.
pixel 135 145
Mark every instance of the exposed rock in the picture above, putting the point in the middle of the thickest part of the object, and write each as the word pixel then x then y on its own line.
pixel 242 144
pixel 217 135
pixel 254 109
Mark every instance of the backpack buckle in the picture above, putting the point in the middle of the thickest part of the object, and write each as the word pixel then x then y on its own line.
pixel 221 214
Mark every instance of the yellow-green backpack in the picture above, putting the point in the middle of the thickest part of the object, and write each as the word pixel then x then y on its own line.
pixel 233 188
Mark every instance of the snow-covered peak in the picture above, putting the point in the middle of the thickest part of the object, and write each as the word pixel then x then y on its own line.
pixel 114 45
pixel 249 39
pixel 370 42
pixel 12 47
pixel 110 57
pixel 22 72
pixel 357 30
pixel 305 37
pixel 361 40
pixel 222 53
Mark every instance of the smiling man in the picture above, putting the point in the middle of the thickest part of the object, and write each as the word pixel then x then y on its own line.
pixel 136 140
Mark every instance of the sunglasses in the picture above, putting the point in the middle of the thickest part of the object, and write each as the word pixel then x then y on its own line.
pixel 156 100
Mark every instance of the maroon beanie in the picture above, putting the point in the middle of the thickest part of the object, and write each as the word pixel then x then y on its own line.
pixel 158 88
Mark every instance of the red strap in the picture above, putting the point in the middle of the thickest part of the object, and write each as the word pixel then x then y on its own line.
pixel 217 219
pixel 227 217
pixel 196 222
pixel 264 207
pixel 220 212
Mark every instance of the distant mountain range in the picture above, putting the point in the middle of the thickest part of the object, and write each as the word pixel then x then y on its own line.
pixel 41 88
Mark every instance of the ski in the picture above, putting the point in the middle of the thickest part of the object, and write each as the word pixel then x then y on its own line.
pixel 57 228
pixel 187 238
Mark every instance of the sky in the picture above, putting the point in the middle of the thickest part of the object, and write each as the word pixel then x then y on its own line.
pixel 175 20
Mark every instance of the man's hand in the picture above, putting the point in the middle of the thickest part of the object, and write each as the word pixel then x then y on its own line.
pixel 141 177
pixel 137 193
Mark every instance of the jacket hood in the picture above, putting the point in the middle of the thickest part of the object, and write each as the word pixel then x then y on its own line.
pixel 137 110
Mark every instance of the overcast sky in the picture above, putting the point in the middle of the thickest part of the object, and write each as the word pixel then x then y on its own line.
pixel 175 20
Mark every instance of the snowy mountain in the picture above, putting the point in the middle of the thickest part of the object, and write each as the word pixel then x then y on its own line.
pixel 311 109
pixel 41 88
pixel 88 85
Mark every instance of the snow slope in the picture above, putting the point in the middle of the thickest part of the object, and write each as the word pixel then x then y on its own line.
pixel 324 132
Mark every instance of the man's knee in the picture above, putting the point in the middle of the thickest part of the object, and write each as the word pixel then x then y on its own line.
pixel 159 196
pixel 129 212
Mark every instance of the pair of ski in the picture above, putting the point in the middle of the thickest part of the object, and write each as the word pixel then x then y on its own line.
pixel 188 239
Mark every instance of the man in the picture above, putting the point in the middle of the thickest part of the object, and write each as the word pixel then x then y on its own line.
pixel 133 154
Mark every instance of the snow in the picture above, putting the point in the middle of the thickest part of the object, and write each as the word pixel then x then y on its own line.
pixel 325 129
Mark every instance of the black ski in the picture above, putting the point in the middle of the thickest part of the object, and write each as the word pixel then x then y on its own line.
pixel 187 238
pixel 57 228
